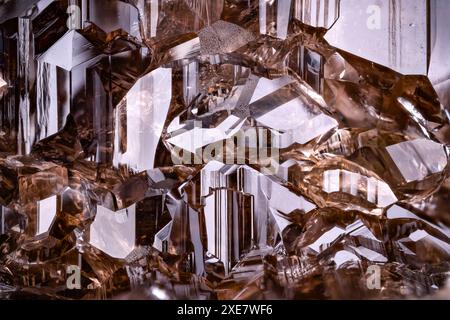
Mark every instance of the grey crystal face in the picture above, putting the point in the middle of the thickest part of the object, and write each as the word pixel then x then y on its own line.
pixel 140 119
pixel 375 191
pixel 238 149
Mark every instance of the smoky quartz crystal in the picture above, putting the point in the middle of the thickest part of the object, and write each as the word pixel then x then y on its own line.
pixel 224 149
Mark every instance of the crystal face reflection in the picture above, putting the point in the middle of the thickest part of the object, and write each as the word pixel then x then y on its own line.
pixel 114 232
pixel 419 158
pixel 47 210
pixel 239 202
pixel 198 149
pixel 377 191
pixel 140 118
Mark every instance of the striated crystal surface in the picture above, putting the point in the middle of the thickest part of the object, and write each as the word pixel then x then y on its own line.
pixel 226 149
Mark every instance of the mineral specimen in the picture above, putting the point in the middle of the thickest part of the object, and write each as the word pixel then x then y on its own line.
pixel 224 149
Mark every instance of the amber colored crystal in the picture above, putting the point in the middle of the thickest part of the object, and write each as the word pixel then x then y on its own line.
pixel 224 149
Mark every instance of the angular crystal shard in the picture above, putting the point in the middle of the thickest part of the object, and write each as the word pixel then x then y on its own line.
pixel 385 32
pixel 322 13
pixel 242 200
pixel 114 232
pixel 418 159
pixel 140 119
pixel 112 15
pixel 401 163
pixel 226 149
pixel 274 17
pixel 26 180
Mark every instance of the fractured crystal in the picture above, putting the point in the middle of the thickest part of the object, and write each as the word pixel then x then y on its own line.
pixel 226 149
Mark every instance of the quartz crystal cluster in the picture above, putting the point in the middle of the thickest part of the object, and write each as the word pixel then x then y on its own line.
pixel 224 149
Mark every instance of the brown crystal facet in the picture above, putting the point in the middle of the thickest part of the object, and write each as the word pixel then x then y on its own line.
pixel 226 149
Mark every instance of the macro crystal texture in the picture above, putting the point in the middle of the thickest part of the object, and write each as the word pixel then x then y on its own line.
pixel 224 149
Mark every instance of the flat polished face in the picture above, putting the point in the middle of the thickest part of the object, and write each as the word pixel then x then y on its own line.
pixel 224 149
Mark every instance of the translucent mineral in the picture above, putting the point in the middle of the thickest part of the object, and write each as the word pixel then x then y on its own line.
pixel 224 149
